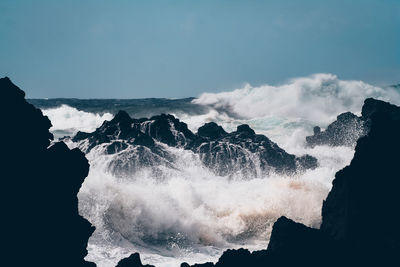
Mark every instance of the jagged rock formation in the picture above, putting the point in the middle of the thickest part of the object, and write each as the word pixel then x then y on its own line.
pixel 141 143
pixel 40 221
pixel 345 131
pixel 362 205
pixel 348 128
pixel 360 215
pixel 132 261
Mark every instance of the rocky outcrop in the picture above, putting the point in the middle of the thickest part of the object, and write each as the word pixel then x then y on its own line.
pixel 141 143
pixel 361 207
pixel 40 221
pixel 132 261
pixel 345 131
pixel 244 151
pixel 359 217
pixel 348 128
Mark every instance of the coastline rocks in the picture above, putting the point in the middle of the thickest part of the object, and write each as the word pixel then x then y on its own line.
pixel 211 131
pixel 145 142
pixel 250 154
pixel 360 215
pixel 132 261
pixel 360 209
pixel 41 224
pixel 345 131
pixel 348 128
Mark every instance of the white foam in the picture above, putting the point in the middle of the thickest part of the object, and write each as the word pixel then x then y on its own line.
pixel 194 215
pixel 67 120
pixel 317 98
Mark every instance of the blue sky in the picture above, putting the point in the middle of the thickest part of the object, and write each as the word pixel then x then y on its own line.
pixel 134 49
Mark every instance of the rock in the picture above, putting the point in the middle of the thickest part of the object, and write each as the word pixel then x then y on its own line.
pixel 242 152
pixel 306 162
pixel 230 257
pixel 345 131
pixel 132 261
pixel 372 106
pixel 41 223
pixel 359 217
pixel 296 238
pixel 144 140
pixel 359 210
pixel 211 131
pixel 244 128
pixel 115 147
pixel 348 127
pixel 207 264
pixel 168 130
pixel 248 154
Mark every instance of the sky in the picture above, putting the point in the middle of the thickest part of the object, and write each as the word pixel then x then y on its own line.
pixel 137 49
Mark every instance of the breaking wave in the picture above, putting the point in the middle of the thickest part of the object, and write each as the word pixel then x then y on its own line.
pixel 67 120
pixel 317 98
pixel 192 214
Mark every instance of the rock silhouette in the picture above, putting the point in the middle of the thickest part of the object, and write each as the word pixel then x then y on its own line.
pixel 345 131
pixel 40 223
pixel 348 127
pixel 132 261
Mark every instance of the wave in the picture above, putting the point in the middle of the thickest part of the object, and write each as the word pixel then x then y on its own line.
pixel 317 98
pixel 193 214
pixel 67 120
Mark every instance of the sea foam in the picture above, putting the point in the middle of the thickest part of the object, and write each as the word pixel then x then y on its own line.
pixel 192 214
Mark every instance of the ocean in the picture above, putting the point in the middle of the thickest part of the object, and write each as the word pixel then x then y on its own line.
pixel 183 211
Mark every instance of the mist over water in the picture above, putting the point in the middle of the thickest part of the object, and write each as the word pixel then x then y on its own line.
pixel 67 120
pixel 317 98
pixel 188 213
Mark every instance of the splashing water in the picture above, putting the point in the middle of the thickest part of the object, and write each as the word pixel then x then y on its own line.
pixel 188 213
pixel 67 120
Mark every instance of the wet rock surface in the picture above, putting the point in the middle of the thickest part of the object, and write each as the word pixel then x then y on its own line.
pixel 240 152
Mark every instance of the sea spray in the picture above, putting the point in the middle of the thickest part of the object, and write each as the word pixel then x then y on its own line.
pixel 67 120
pixel 185 212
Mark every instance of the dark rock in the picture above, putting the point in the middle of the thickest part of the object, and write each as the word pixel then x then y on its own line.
pixel 122 117
pixel 372 106
pixel 360 209
pixel 239 257
pixel 115 147
pixel 169 130
pixel 41 223
pixel 288 235
pixel 80 136
pixel 132 261
pixel 244 128
pixel 359 217
pixel 347 128
pixel 345 131
pixel 246 153
pixel 241 152
pixel 144 140
pixel 211 131
pixel 307 162
pixel 207 264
